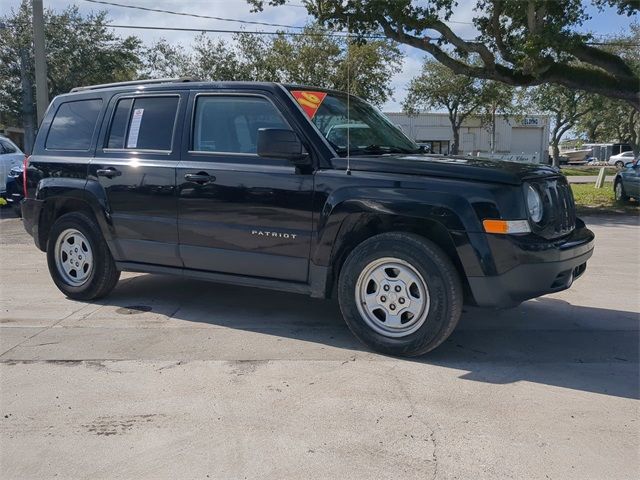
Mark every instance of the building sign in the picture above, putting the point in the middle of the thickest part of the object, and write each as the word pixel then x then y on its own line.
pixel 531 121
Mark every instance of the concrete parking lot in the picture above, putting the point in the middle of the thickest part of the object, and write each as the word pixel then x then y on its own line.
pixel 171 378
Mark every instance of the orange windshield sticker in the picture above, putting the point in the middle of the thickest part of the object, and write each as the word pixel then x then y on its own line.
pixel 309 101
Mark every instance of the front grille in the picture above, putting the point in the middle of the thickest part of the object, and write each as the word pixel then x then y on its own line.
pixel 559 208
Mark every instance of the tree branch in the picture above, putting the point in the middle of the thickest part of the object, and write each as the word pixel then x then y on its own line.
pixel 618 81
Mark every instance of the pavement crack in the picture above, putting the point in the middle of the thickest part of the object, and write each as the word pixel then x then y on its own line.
pixel 45 329
pixel 413 414
pixel 434 455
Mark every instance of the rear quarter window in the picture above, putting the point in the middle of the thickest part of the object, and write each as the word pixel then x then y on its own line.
pixel 73 125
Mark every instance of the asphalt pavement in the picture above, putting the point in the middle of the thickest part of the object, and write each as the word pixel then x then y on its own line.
pixel 173 378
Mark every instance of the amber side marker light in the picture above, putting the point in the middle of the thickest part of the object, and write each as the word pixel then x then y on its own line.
pixel 506 227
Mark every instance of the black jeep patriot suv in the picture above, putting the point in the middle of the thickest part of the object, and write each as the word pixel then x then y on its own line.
pixel 292 188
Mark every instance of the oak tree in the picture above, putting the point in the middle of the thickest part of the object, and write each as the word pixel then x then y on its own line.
pixel 520 42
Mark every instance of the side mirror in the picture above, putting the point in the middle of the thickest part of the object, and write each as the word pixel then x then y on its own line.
pixel 282 143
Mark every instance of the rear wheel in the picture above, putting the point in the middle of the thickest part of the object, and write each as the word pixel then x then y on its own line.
pixel 79 260
pixel 400 294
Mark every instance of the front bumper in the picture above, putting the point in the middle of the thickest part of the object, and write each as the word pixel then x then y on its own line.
pixel 529 268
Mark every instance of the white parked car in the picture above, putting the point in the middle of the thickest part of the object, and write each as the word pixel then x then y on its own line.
pixel 621 159
pixel 10 156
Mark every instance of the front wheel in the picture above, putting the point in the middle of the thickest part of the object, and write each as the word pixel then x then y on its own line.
pixel 620 194
pixel 619 165
pixel 400 294
pixel 79 259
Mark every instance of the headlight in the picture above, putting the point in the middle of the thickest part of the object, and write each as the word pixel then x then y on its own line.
pixel 534 204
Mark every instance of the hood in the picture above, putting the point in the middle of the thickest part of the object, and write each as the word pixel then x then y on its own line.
pixel 468 168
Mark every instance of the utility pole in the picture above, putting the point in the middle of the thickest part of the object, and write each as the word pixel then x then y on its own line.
pixel 42 91
pixel 27 102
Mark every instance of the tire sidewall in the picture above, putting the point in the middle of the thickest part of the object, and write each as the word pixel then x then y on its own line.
pixel 83 224
pixel 440 285
pixel 623 197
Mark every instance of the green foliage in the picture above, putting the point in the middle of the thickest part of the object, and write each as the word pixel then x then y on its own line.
pixel 313 59
pixel 438 87
pixel 521 43
pixel 615 120
pixel 81 50
pixel 566 108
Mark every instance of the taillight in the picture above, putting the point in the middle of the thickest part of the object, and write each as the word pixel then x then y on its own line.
pixel 25 166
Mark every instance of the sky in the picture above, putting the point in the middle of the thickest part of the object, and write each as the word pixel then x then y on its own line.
pixel 603 23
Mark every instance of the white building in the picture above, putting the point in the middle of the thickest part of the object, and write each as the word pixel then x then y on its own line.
pixel 525 138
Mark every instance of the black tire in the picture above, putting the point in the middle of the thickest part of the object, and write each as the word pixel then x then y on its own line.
pixel 104 275
pixel 619 193
pixel 443 283
pixel 619 165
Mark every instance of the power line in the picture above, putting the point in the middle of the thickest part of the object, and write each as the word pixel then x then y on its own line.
pixel 299 34
pixel 253 32
pixel 194 15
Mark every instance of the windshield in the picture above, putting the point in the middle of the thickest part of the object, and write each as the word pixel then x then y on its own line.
pixel 365 131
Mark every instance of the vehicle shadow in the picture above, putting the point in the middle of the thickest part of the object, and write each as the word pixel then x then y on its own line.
pixel 547 341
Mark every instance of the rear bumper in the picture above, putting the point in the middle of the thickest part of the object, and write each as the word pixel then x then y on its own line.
pixel 31 209
pixel 540 268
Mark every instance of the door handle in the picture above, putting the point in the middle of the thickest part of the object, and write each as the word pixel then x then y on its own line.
pixel 108 172
pixel 201 177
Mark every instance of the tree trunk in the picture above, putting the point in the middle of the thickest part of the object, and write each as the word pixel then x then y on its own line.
pixel 634 133
pixel 493 129
pixel 455 147
pixel 28 112
pixel 556 152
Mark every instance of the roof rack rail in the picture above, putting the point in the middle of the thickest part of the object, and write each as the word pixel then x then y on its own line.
pixel 135 82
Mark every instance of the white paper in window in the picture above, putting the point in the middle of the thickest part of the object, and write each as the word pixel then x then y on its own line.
pixel 134 129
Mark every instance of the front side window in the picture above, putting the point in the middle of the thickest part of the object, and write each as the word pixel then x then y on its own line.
pixel 360 129
pixel 230 123
pixel 73 125
pixel 144 123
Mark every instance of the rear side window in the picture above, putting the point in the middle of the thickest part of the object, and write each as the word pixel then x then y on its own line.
pixel 145 123
pixel 73 125
pixel 230 124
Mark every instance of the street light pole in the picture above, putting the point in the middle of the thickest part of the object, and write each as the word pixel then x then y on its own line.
pixel 42 91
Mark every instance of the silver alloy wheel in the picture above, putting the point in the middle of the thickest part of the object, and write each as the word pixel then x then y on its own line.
pixel 619 191
pixel 392 297
pixel 73 256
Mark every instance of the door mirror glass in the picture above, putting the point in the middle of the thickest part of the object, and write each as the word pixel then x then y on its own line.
pixel 281 143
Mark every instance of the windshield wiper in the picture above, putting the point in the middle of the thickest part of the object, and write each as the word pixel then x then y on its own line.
pixel 375 149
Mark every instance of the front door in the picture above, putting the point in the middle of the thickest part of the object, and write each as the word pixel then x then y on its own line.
pixel 237 212
pixel 136 166
pixel 632 180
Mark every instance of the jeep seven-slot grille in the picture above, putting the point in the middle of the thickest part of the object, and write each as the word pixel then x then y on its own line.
pixel 559 208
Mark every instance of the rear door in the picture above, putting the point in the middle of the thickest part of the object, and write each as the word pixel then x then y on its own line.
pixel 136 166
pixel 240 213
